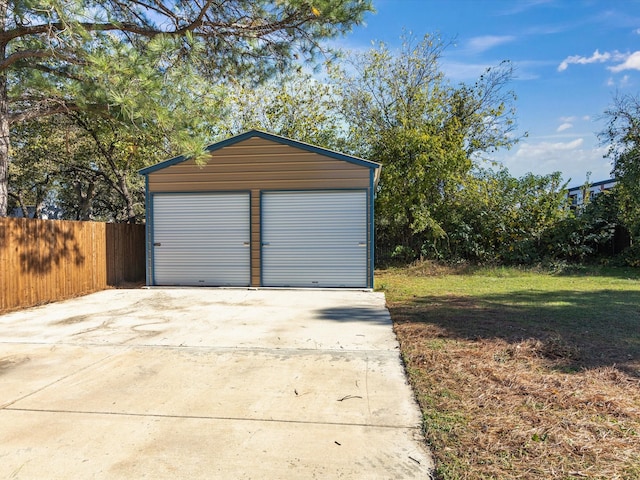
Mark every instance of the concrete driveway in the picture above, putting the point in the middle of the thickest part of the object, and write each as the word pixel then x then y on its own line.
pixel 207 383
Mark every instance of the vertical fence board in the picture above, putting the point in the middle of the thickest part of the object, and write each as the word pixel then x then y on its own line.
pixel 4 280
pixel 44 261
pixel 125 252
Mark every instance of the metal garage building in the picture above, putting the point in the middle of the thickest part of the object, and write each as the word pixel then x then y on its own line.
pixel 263 211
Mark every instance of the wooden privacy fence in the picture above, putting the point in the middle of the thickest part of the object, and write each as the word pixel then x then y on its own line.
pixel 47 260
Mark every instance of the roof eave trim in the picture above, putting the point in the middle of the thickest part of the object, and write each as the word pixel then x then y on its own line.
pixel 267 136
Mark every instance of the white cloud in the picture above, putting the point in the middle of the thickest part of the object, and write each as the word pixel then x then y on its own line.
pixel 464 71
pixel 625 81
pixel 570 120
pixel 597 57
pixel 637 31
pixel 574 158
pixel 631 62
pixel 542 149
pixel 519 7
pixel 486 42
pixel 627 61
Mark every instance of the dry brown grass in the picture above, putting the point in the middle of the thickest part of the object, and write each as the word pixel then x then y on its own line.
pixel 505 398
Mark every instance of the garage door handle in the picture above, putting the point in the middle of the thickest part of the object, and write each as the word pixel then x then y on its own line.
pixel 246 244
pixel 157 244
pixel 264 244
pixel 362 244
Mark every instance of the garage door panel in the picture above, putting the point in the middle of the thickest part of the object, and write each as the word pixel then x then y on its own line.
pixel 314 239
pixel 201 239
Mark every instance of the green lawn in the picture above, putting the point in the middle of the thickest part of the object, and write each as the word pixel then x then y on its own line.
pixel 522 374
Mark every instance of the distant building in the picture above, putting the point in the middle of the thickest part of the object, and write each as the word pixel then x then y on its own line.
pixel 579 193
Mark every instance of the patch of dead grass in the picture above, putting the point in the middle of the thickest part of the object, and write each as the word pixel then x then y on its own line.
pixel 510 416
pixel 431 268
pixel 498 407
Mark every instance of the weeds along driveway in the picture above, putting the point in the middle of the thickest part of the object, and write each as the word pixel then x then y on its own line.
pixel 207 383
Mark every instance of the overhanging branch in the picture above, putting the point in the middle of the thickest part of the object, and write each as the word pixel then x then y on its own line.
pixel 32 54
pixel 48 107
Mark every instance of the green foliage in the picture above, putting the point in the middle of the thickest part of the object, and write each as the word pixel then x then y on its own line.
pixel 134 111
pixel 496 218
pixel 127 71
pixel 426 133
pixel 295 105
pixel 623 136
pixel 541 201
pixel 433 200
pixel 40 151
pixel 96 92
pixel 587 233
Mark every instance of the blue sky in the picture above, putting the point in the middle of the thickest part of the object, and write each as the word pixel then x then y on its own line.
pixel 571 58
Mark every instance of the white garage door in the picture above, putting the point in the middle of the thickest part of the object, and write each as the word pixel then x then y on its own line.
pixel 314 239
pixel 201 239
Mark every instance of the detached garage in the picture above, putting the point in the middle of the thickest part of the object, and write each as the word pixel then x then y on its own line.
pixel 264 211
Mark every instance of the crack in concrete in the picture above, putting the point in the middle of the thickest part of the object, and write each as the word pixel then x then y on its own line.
pixel 213 417
pixel 64 377
pixel 279 351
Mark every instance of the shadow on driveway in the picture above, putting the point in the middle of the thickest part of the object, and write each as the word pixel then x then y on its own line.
pixel 370 315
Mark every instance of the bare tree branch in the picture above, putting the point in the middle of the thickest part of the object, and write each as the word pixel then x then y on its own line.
pixel 51 106
pixel 207 29
pixel 31 54
pixel 58 72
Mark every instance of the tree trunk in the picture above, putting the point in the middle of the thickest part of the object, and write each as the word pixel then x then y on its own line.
pixel 4 121
pixel 39 207
pixel 23 208
pixel 85 201
pixel 126 195
pixel 4 146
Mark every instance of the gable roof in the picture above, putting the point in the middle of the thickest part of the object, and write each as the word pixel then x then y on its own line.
pixel 274 138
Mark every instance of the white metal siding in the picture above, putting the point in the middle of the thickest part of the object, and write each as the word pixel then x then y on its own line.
pixel 201 239
pixel 314 239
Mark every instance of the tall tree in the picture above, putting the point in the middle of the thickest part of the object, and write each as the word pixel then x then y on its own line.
pixel 402 111
pixel 48 43
pixel 153 112
pixel 158 108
